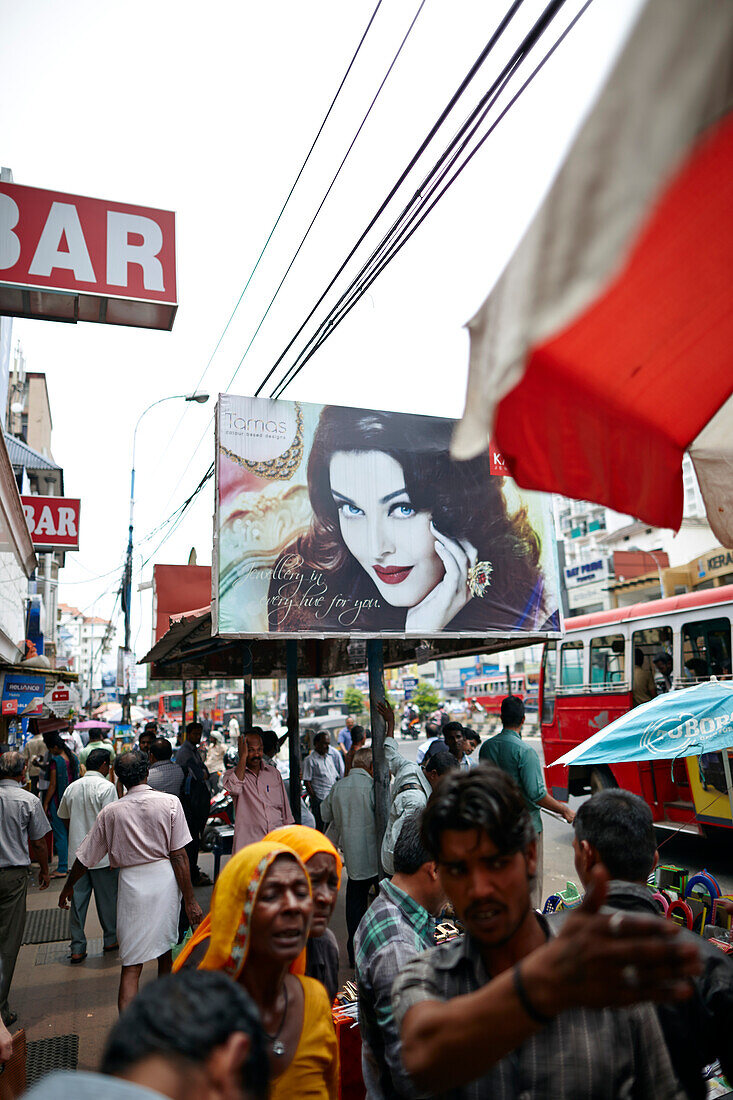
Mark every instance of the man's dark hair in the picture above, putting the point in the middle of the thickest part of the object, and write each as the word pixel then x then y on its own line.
pixel 484 798
pixel 320 734
pixel 471 735
pixel 512 711
pixel 96 734
pixel 452 727
pixel 151 727
pixel 132 768
pixel 663 659
pixel 619 825
pixel 161 749
pixel 11 765
pixel 97 758
pixel 358 734
pixel 409 851
pixel 270 743
pixel 441 762
pixel 185 1017
pixel 432 729
pixel 194 726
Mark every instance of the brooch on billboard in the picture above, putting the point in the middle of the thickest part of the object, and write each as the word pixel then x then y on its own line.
pixel 285 465
pixel 479 578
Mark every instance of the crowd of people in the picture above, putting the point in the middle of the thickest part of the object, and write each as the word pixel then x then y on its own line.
pixel 605 1001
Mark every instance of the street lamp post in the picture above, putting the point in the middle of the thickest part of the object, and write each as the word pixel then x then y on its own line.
pixel 201 399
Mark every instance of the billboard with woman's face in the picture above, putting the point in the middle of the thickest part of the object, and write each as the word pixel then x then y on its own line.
pixel 338 521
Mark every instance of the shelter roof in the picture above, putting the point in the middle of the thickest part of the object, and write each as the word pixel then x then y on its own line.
pixel 23 455
pixel 188 650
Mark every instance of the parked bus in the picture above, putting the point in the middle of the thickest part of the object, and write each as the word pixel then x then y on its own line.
pixel 586 682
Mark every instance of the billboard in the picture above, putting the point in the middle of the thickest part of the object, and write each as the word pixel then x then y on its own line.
pixel 337 521
pixel 71 258
pixel 53 522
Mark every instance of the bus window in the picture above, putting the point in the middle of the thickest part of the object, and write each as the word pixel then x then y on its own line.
pixel 549 662
pixel 607 659
pixel 571 664
pixel 655 641
pixel 706 649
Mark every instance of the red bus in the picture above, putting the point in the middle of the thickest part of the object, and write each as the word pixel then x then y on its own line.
pixel 586 682
pixel 491 689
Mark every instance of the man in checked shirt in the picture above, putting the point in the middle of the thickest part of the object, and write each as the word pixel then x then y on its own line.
pixel 510 1012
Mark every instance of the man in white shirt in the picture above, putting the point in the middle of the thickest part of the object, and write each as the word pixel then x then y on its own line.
pixel 319 774
pixel 81 804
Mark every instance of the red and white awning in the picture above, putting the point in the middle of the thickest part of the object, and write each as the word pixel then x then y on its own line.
pixel 605 350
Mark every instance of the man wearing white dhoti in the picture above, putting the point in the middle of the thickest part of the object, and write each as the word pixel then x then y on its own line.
pixel 145 835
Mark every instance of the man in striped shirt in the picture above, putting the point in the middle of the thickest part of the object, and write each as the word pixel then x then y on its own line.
pixel 399 924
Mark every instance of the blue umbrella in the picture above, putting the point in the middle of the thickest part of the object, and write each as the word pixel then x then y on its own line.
pixel 689 722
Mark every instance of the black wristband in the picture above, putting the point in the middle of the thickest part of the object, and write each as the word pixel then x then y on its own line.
pixel 529 1008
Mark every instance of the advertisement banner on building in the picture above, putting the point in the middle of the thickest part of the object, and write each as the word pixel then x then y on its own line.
pixel 72 258
pixel 53 522
pixel 340 521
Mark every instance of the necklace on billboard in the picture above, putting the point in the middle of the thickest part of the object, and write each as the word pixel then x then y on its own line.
pixel 281 468
pixel 479 578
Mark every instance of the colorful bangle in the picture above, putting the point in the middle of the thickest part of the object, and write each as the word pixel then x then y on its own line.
pixel 529 1008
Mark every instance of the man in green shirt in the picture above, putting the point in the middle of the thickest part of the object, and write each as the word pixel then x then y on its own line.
pixel 508 752
pixel 97 740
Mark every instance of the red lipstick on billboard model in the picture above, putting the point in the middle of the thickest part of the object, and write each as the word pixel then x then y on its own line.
pixel 393 574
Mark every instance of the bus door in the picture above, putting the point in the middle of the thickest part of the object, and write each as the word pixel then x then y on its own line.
pixel 706 652
pixel 663 781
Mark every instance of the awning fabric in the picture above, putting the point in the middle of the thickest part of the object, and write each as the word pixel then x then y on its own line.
pixel 603 352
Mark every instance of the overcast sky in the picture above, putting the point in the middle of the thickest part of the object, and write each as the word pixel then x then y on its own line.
pixel 209 111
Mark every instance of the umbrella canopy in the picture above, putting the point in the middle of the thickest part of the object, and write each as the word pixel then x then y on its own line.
pixel 690 722
pixel 602 354
pixel 113 713
pixel 92 724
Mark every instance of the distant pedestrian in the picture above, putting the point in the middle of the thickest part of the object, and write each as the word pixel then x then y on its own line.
pixel 164 775
pixel 471 742
pixel 62 768
pixel 350 806
pixel 343 739
pixel 147 737
pixel 358 741
pixel 33 751
pixel 509 752
pixel 81 804
pixel 452 742
pixel 260 801
pixel 23 825
pixel 195 796
pixel 145 836
pixel 432 731
pixel 97 740
pixel 319 774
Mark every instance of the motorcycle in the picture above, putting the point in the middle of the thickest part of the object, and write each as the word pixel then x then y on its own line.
pixel 221 812
pixel 411 727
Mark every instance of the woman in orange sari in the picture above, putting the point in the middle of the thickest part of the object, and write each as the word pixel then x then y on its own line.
pixel 323 864
pixel 260 917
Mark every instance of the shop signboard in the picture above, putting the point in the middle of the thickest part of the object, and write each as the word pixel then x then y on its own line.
pixel 72 258
pixel 335 521
pixel 409 686
pixel 23 696
pixel 53 522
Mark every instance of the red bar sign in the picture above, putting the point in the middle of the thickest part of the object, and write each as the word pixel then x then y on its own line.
pixel 53 522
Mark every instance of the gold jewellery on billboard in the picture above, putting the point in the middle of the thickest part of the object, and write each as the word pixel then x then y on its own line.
pixel 285 465
pixel 479 578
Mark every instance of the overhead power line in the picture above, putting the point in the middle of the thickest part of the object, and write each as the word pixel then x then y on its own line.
pixel 283 208
pixel 475 68
pixel 410 220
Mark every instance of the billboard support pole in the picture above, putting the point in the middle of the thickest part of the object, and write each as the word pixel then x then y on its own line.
pixel 375 661
pixel 247 688
pixel 182 729
pixel 291 655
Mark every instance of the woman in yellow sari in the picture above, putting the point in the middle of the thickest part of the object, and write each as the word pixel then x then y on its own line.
pixel 260 917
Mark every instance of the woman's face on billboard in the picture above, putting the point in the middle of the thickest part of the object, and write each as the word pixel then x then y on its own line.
pixel 391 541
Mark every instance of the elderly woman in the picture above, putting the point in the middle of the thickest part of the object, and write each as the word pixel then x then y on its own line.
pixel 323 864
pixel 261 912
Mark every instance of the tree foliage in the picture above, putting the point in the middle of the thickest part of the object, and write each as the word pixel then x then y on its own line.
pixel 354 700
pixel 426 698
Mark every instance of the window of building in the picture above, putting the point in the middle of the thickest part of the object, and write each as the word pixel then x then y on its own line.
pixel 706 649
pixel 571 664
pixel 549 668
pixel 607 659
